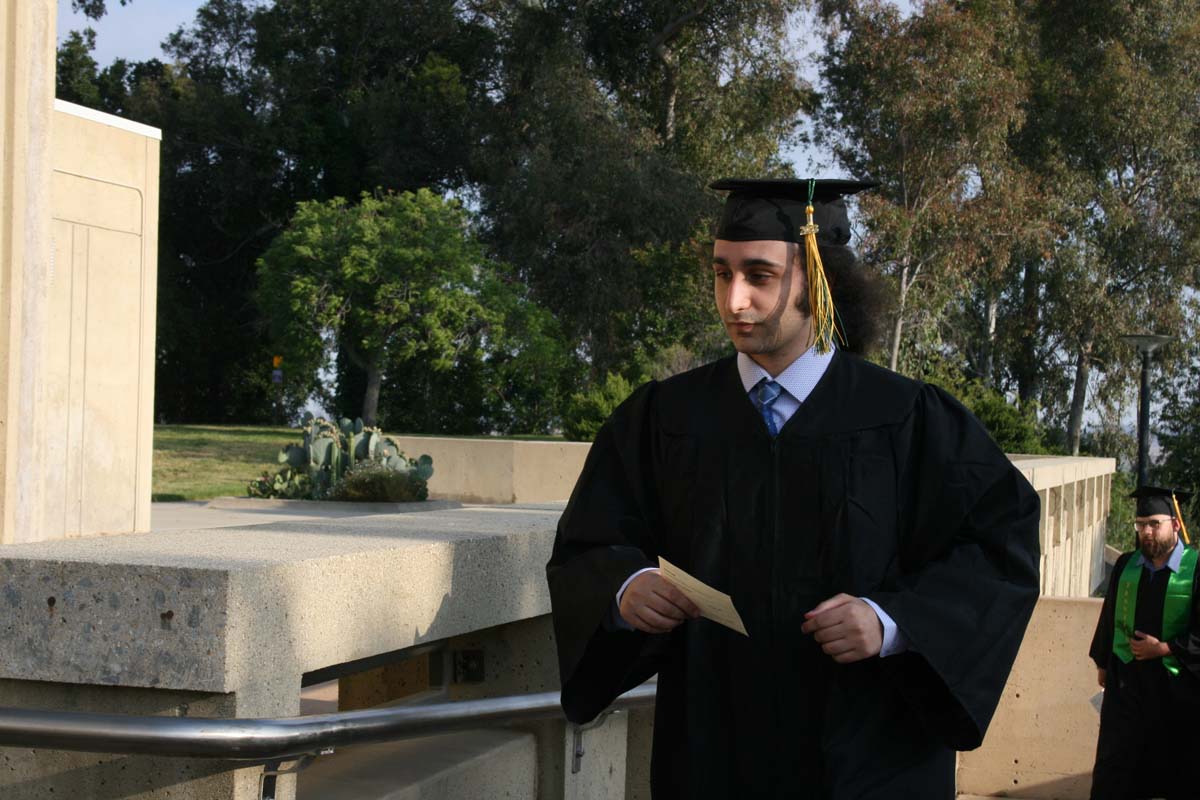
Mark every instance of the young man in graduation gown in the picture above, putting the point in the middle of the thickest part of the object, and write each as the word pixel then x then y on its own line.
pixel 1147 651
pixel 880 549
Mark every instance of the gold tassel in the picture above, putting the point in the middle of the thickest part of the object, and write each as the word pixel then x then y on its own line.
pixel 1179 516
pixel 820 299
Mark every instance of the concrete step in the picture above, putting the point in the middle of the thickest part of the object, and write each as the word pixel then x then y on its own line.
pixel 470 765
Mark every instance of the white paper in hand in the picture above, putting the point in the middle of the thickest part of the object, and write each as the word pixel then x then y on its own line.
pixel 714 605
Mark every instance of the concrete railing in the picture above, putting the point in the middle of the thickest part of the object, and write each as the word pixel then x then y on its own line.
pixel 228 622
pixel 1075 494
pixel 1042 742
pixel 485 470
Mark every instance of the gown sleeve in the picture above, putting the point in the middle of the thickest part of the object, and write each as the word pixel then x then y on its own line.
pixel 1103 638
pixel 605 534
pixel 968 570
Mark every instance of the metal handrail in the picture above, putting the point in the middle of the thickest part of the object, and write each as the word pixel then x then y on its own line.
pixel 280 739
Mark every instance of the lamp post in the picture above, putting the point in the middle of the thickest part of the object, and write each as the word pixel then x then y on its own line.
pixel 1145 344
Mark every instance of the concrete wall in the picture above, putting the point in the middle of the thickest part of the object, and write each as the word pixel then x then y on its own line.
pixel 26 96
pixel 1075 495
pixel 499 470
pixel 1042 741
pixel 235 616
pixel 100 349
pixel 78 243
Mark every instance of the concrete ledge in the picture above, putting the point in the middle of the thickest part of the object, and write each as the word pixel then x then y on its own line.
pixel 207 610
pixel 499 470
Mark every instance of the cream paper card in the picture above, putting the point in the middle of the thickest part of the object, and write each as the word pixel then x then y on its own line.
pixel 714 605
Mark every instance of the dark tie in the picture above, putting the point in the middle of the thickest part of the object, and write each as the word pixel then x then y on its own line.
pixel 765 395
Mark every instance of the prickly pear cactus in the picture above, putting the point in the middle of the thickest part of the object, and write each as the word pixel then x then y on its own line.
pixel 331 451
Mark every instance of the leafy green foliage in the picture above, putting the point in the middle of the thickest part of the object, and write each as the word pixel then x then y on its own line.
pixel 372 482
pixel 1118 526
pixel 612 118
pixel 587 411
pixel 1015 429
pixel 389 280
pixel 94 8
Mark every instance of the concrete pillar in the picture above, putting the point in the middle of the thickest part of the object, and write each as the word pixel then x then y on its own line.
pixel 519 658
pixel 27 30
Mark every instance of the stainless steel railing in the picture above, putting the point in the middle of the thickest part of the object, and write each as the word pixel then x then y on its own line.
pixel 273 740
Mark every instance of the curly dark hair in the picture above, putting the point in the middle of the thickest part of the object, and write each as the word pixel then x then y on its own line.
pixel 858 295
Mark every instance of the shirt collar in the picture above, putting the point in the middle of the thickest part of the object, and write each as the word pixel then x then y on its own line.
pixel 797 380
pixel 1173 562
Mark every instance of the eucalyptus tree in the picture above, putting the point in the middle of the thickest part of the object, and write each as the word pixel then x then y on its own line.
pixel 1115 115
pixel 924 104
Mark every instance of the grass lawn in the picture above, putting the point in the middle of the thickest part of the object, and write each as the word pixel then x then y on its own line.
pixel 198 462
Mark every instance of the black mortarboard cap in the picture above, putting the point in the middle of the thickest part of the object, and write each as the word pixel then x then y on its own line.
pixel 775 210
pixel 1153 500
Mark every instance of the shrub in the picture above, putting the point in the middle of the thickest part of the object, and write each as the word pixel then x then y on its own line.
pixel 587 411
pixel 314 469
pixel 372 482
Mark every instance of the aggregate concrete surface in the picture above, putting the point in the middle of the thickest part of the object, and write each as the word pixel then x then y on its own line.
pixel 220 593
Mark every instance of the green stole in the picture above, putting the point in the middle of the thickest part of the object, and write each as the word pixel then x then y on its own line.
pixel 1177 607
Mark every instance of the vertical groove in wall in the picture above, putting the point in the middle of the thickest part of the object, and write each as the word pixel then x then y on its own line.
pixel 138 445
pixel 83 378
pixel 9 249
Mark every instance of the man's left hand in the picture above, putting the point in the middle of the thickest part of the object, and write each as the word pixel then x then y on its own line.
pixel 847 629
pixel 1145 646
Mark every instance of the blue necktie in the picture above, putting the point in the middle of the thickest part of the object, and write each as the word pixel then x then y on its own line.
pixel 765 395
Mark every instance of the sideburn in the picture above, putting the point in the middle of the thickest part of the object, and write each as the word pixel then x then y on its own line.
pixel 797 259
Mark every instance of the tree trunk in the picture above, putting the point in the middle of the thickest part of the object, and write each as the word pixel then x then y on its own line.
pixel 1083 370
pixel 370 406
pixel 987 366
pixel 1027 368
pixel 672 91
pixel 670 61
pixel 898 328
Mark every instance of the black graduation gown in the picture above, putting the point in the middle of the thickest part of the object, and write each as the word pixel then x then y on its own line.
pixel 879 487
pixel 1147 715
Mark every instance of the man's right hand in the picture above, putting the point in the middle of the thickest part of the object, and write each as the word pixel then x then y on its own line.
pixel 1100 677
pixel 652 605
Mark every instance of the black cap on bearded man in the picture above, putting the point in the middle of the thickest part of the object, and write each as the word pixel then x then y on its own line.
pixel 775 210
pixel 1153 500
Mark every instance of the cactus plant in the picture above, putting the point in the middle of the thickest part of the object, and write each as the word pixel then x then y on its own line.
pixel 315 468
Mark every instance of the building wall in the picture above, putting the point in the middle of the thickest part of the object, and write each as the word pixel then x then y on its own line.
pixel 99 393
pixel 26 96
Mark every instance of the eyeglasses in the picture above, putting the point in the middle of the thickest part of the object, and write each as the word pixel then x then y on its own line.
pixel 1152 525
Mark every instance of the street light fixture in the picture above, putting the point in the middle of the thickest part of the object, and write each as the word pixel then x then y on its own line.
pixel 1146 344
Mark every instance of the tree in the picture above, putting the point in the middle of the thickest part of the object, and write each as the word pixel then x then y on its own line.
pixel 1114 117
pixel 265 106
pixel 1178 428
pixel 924 104
pixel 94 8
pixel 609 120
pixel 392 279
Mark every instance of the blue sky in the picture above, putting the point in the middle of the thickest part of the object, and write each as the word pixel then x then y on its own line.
pixel 132 32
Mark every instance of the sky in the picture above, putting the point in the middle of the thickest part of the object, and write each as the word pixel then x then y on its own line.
pixel 132 32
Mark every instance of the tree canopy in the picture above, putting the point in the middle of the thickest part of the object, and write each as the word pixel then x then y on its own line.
pixel 1039 169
